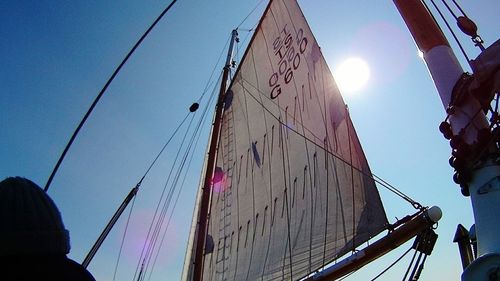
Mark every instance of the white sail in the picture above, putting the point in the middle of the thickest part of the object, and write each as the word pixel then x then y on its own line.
pixel 291 190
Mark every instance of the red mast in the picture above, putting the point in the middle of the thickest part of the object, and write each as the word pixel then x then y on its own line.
pixel 472 141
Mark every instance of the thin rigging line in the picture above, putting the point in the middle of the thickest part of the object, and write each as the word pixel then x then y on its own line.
pixel 198 133
pixel 164 211
pixel 416 266
pixel 101 239
pixel 410 265
pixel 249 14
pixel 164 146
pixel 94 103
pixel 142 273
pixel 148 249
pixel 123 239
pixel 210 81
pixel 449 27
pixel 392 264
pixel 140 181
pixel 372 176
pixel 143 253
pixel 449 9
pixel 157 216
pixel 396 191
pixel 167 203
pixel 460 8
pixel 158 219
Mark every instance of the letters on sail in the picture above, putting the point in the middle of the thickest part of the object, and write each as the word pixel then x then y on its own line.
pixel 292 189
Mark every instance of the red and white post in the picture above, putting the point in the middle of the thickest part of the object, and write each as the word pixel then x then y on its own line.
pixel 484 183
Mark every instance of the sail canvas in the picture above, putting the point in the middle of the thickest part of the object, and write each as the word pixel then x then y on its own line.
pixel 292 189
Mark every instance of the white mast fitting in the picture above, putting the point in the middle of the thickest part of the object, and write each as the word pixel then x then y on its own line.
pixel 467 120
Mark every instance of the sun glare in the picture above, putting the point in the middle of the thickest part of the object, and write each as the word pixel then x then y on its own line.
pixel 352 75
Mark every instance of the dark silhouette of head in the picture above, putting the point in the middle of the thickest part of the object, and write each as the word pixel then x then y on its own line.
pixel 33 240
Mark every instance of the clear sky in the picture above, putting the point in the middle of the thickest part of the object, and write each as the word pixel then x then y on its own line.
pixel 56 55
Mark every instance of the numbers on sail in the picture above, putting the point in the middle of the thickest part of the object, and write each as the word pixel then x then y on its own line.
pixel 287 50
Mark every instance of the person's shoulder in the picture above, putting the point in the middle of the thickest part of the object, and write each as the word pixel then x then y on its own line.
pixel 77 271
pixel 43 268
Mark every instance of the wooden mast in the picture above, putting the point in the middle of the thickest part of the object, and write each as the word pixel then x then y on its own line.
pixel 212 152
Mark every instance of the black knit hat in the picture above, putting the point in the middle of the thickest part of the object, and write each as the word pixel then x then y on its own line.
pixel 30 223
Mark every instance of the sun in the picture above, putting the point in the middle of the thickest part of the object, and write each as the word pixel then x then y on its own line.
pixel 352 75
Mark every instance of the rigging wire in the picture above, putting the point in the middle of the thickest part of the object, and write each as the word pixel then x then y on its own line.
pixel 147 241
pixel 210 81
pixel 123 239
pixel 167 203
pixel 460 8
pixel 410 265
pixel 247 36
pixel 377 179
pixel 478 41
pixel 142 267
pixel 165 146
pixel 419 269
pixel 159 216
pixel 392 264
pixel 449 9
pixel 396 191
pixel 249 14
pixel 96 100
pixel 415 267
pixel 448 26
pixel 248 32
pixel 191 109
pixel 175 203
pixel 119 212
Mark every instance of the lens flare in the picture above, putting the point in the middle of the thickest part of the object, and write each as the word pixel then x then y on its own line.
pixel 352 75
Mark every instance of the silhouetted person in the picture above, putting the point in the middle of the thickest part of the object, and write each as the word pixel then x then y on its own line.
pixel 33 240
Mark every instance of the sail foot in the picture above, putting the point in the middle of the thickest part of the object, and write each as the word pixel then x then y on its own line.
pixel 420 223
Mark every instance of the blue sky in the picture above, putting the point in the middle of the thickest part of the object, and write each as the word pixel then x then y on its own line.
pixel 56 56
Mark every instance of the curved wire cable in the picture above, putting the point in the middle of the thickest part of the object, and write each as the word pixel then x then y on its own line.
pixel 96 100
